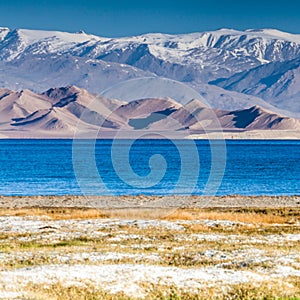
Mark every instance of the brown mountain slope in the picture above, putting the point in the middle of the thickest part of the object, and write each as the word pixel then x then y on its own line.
pixel 58 111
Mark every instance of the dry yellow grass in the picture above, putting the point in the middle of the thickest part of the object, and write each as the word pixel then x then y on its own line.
pixel 251 215
pixel 138 213
pixel 246 217
pixel 55 213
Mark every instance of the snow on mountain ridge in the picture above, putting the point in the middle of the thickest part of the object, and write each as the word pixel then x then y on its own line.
pixel 18 41
pixel 173 48
pixel 277 34
pixel 207 56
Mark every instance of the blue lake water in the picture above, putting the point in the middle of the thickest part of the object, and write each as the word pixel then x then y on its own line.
pixel 46 167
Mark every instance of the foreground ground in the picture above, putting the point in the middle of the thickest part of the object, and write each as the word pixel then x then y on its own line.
pixel 191 253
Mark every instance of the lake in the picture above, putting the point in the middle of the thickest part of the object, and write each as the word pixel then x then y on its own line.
pixel 46 167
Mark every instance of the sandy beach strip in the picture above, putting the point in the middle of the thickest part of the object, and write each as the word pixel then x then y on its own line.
pixel 107 202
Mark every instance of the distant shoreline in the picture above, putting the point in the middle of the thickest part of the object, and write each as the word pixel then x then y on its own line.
pixel 225 135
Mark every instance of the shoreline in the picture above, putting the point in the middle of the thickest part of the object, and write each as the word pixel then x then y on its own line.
pixel 149 202
pixel 159 135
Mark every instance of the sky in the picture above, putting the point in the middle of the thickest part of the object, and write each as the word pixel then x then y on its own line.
pixel 114 18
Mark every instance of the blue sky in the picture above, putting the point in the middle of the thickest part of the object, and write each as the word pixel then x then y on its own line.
pixel 120 18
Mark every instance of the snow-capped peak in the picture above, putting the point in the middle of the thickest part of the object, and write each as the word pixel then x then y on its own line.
pixel 274 34
pixel 3 32
pixel 33 36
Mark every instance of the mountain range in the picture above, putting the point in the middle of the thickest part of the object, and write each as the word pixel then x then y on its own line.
pixel 60 112
pixel 235 80
pixel 229 69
